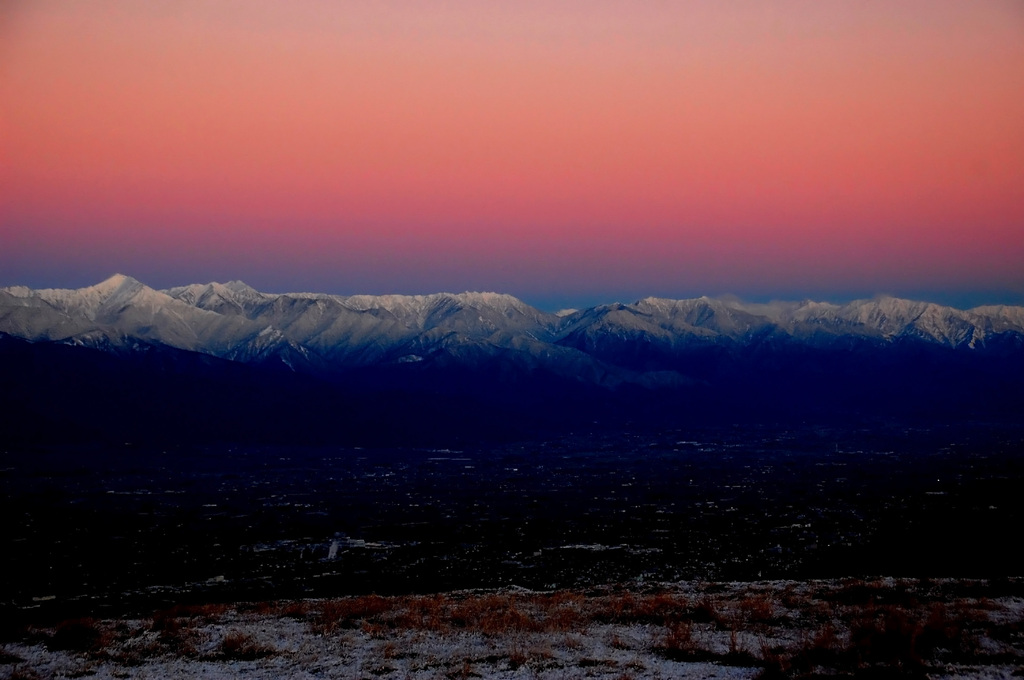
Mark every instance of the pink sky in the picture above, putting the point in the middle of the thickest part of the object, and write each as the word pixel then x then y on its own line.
pixel 570 151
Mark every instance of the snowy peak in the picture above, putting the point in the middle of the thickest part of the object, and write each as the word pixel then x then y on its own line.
pixel 420 303
pixel 114 292
pixel 702 313
pixel 895 317
pixel 234 297
pixel 999 318
pixel 885 319
pixel 606 344
pixel 474 313
pixel 241 288
pixel 114 283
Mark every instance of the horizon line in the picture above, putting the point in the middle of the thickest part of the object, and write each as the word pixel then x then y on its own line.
pixel 557 308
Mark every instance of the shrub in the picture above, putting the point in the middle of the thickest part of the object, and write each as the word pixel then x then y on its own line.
pixel 678 643
pixel 823 649
pixel 463 672
pixel 661 608
pixel 79 635
pixel 377 631
pixel 243 647
pixel 506 619
pixel 775 665
pixel 165 622
pixel 888 637
pixel 137 652
pixel 516 654
pixel 295 610
pixel 615 642
pixel 493 615
pixel 945 630
pixel 705 612
pixel 572 643
pixel 563 618
pixel 619 608
pixel 855 592
pixel 758 609
pixel 347 612
pixel 424 613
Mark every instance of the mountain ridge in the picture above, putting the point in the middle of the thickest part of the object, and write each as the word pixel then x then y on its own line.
pixel 486 362
pixel 236 321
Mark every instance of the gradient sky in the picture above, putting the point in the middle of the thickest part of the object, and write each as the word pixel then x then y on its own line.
pixel 565 152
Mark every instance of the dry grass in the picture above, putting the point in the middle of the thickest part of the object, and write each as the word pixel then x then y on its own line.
pixel 854 624
pixel 758 609
pixel 80 635
pixel 240 646
pixel 850 629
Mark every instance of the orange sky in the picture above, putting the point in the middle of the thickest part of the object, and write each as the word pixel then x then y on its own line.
pixel 591 150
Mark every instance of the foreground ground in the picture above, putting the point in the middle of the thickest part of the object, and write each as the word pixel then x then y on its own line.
pixel 848 628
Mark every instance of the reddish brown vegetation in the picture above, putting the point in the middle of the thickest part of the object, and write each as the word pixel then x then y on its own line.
pixel 853 629
pixel 243 647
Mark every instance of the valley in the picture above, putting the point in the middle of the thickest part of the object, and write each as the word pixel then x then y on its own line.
pixel 93 529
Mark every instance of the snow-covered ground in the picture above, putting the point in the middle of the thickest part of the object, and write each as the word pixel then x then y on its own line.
pixel 939 629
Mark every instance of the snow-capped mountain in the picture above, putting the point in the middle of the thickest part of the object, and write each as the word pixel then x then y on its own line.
pixel 226 360
pixel 316 333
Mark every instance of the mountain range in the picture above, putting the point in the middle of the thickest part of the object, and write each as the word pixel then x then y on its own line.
pixel 441 358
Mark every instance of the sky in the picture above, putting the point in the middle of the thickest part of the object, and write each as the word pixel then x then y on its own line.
pixel 567 153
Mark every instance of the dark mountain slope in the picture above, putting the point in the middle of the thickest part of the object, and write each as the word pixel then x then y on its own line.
pixel 121 361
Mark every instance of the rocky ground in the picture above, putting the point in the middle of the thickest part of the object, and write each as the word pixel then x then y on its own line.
pixel 786 629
